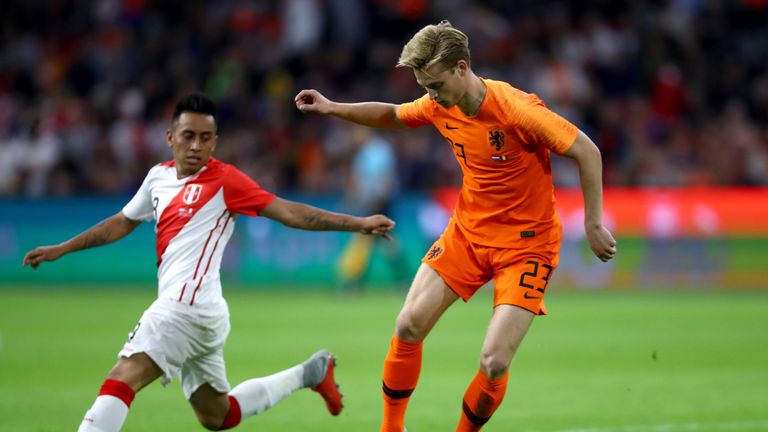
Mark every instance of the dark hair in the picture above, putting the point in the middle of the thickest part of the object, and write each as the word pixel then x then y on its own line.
pixel 194 102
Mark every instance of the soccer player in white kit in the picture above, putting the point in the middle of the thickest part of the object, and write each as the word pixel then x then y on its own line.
pixel 194 200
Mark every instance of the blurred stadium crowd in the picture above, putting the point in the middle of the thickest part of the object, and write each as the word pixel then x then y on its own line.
pixel 675 93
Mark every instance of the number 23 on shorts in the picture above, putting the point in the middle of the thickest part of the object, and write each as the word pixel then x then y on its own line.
pixel 535 281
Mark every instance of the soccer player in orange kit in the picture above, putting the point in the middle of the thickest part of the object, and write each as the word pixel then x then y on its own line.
pixel 504 226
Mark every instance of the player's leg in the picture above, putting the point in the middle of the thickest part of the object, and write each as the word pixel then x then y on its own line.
pixel 506 330
pixel 520 281
pixel 451 270
pixel 427 299
pixel 217 409
pixel 157 347
pixel 110 409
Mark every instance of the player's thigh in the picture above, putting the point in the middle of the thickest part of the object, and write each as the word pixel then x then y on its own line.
pixel 427 299
pixel 462 265
pixel 163 336
pixel 506 330
pixel 521 277
pixel 145 355
pixel 136 371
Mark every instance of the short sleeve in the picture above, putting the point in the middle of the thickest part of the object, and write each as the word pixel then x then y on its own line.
pixel 243 195
pixel 539 125
pixel 140 206
pixel 416 113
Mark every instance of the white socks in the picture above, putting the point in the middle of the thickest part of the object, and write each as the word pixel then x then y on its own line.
pixel 106 415
pixel 254 396
pixel 259 394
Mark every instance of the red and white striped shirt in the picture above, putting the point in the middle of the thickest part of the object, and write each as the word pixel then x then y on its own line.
pixel 194 218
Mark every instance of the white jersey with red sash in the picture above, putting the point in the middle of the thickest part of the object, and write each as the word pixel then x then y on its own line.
pixel 194 218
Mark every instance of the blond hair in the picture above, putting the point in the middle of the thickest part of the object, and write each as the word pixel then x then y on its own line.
pixel 434 44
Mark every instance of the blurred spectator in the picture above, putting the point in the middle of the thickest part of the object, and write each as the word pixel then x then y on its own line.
pixel 371 189
pixel 675 93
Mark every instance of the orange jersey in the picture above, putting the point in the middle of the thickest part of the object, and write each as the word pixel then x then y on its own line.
pixel 507 197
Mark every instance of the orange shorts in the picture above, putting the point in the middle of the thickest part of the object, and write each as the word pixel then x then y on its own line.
pixel 520 276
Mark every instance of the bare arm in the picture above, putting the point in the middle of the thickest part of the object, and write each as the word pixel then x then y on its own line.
pixel 107 231
pixel 587 156
pixel 373 114
pixel 298 215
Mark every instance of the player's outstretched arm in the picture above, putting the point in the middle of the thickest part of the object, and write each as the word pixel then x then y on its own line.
pixel 107 231
pixel 298 215
pixel 374 114
pixel 587 156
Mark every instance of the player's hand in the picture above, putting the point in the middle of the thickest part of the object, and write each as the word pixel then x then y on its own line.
pixel 42 253
pixel 377 225
pixel 312 101
pixel 601 242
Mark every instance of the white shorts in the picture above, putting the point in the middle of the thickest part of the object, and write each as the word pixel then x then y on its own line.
pixel 183 339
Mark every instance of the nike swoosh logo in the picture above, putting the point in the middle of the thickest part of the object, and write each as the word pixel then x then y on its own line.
pixel 450 127
pixel 530 296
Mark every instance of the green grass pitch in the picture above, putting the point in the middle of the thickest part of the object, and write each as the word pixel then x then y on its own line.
pixel 600 362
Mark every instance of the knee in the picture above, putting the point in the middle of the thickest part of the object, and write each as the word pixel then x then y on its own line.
pixel 494 365
pixel 408 328
pixel 211 407
pixel 212 423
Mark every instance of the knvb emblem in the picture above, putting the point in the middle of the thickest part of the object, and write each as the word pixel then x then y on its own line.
pixel 496 139
pixel 434 252
pixel 192 193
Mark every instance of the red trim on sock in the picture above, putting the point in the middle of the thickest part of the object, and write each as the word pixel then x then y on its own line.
pixel 233 416
pixel 119 390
